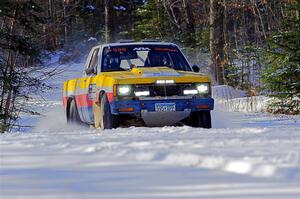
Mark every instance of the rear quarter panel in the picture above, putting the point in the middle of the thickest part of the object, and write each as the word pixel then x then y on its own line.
pixel 86 92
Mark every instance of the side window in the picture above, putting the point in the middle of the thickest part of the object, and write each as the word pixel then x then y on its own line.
pixel 180 62
pixel 92 68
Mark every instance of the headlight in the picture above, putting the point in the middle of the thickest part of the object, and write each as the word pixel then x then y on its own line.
pixel 203 88
pixel 124 90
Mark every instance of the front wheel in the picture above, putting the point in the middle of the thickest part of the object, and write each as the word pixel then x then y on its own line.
pixel 103 117
pixel 200 119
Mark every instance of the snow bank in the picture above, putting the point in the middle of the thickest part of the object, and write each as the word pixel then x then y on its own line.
pixel 225 92
pixel 253 104
pixel 235 100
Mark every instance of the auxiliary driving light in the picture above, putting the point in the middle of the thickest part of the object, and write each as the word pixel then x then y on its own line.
pixel 141 93
pixel 190 92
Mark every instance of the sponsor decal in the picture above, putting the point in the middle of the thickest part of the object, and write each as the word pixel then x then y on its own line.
pixel 141 49
pixel 117 49
pixel 166 49
pixel 92 92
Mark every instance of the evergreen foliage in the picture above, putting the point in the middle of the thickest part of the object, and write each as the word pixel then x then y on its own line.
pixel 282 73
pixel 151 22
pixel 19 39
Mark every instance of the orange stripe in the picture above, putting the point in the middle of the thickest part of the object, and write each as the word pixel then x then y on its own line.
pixel 65 100
pixel 110 97
pixel 83 101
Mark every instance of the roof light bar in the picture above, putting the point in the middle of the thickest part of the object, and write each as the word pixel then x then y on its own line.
pixel 162 81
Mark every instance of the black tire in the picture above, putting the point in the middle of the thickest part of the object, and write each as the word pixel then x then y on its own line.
pixel 73 116
pixel 107 120
pixel 200 119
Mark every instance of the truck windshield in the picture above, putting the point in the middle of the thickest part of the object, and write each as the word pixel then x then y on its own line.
pixel 119 58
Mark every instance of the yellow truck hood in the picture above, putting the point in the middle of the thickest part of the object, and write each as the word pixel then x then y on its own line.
pixel 149 75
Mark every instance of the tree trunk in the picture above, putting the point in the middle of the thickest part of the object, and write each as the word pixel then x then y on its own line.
pixel 226 38
pixel 50 9
pixel 67 19
pixel 7 96
pixel 112 21
pixel 106 22
pixel 189 17
pixel 216 41
pixel 261 20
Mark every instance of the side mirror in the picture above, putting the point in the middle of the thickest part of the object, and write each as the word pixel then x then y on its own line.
pixel 196 68
pixel 89 71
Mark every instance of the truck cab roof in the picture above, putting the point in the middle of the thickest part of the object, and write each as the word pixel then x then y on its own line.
pixel 128 43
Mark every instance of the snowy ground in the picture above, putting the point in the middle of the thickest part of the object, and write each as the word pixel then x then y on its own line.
pixel 258 157
pixel 243 156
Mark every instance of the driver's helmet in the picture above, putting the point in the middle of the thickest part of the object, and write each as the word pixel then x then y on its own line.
pixel 165 60
pixel 155 58
pixel 113 60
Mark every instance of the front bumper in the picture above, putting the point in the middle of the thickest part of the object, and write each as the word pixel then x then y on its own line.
pixel 145 109
pixel 148 105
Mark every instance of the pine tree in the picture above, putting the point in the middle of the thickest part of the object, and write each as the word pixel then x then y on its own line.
pixel 282 73
pixel 19 51
pixel 151 22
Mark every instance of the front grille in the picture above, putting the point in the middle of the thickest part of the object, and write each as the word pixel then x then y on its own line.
pixel 163 90
pixel 166 90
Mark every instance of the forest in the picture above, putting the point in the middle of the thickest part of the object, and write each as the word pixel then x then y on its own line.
pixel 251 45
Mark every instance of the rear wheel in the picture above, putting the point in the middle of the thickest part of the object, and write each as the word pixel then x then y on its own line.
pixel 200 119
pixel 103 117
pixel 73 116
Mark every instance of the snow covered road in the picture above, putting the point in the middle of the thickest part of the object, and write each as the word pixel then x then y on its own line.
pixel 243 156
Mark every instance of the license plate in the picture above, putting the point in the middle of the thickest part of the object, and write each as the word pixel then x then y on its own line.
pixel 164 107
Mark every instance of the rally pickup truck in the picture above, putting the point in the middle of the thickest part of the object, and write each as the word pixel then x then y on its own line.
pixel 138 83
